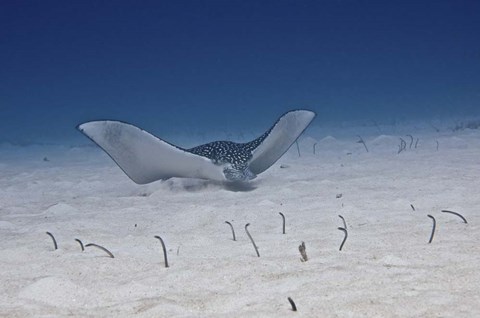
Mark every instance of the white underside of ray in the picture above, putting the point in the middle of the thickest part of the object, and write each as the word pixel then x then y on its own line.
pixel 146 158
pixel 287 129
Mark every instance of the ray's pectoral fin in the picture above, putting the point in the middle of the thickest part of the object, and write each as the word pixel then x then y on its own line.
pixel 268 148
pixel 146 158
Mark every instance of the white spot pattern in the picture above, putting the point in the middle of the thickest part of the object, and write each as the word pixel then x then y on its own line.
pixel 235 155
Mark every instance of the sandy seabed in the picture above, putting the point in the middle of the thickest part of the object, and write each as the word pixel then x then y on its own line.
pixel 387 268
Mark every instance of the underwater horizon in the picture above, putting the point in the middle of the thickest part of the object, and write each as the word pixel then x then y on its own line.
pixel 193 67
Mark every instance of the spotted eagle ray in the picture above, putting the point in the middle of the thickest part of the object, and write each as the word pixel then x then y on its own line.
pixel 145 158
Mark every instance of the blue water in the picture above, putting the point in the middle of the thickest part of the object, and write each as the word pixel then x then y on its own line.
pixel 232 65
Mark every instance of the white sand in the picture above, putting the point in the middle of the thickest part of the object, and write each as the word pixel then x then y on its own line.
pixel 386 268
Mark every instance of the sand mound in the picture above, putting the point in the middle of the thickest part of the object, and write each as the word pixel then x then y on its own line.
pixel 58 292
pixel 60 209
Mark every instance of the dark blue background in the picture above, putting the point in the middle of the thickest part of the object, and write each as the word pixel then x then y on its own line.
pixel 173 65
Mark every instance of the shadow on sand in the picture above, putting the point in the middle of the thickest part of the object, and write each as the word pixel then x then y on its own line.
pixel 197 185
